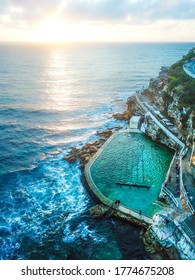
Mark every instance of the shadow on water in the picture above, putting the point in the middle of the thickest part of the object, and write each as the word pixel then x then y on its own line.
pixel 127 236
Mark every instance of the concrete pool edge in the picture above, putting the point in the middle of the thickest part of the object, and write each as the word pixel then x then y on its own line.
pixel 121 211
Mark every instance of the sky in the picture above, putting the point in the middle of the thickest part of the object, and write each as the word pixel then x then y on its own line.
pixel 97 20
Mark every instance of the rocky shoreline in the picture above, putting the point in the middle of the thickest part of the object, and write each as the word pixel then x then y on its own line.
pixel 133 108
pixel 89 149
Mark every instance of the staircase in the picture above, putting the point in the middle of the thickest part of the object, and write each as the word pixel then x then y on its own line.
pixel 109 213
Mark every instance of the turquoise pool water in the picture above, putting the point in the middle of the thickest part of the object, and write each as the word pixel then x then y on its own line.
pixel 132 158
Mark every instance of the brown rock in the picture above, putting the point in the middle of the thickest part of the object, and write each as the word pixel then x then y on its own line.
pixel 123 117
pixel 127 114
pixel 75 150
pixel 71 158
pixel 87 146
pixel 99 145
pixel 149 93
pixel 119 117
pixel 94 143
pixel 93 149
pixel 106 133
pixel 102 140
pixel 87 159
pixel 82 156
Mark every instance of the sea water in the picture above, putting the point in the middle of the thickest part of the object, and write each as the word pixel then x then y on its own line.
pixel 53 97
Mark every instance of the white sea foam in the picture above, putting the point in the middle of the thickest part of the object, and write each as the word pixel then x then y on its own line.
pixel 82 231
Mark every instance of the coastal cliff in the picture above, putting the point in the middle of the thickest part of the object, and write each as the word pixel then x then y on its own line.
pixel 171 97
pixel 173 92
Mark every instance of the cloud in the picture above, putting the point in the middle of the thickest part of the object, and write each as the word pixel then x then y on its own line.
pixel 137 10
pixel 114 14
pixel 30 10
pixel 174 9
pixel 98 10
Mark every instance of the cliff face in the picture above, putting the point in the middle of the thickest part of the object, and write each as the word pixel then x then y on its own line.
pixel 156 134
pixel 172 234
pixel 173 91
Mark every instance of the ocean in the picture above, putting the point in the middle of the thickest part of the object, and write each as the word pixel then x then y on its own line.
pixel 53 97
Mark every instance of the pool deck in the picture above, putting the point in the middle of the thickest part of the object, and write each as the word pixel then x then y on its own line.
pixel 121 210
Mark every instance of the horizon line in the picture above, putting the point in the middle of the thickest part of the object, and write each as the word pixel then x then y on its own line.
pixel 96 42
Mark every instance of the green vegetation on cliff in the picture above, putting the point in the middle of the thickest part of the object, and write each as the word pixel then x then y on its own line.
pixel 181 83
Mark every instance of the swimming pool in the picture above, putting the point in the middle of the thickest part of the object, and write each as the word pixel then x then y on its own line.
pixel 132 158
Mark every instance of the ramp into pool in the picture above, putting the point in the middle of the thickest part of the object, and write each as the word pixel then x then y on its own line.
pixel 123 164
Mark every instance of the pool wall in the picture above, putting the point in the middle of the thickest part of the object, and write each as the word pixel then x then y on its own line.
pixel 121 211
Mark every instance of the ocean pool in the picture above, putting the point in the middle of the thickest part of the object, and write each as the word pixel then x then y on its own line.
pixel 132 158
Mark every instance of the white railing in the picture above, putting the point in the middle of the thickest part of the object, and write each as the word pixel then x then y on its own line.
pixel 186 197
pixel 188 230
pixel 169 170
pixel 193 146
pixel 171 196
pixel 164 189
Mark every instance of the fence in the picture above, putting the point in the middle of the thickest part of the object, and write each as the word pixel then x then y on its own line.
pixel 192 153
pixel 186 197
pixel 171 196
pixel 164 189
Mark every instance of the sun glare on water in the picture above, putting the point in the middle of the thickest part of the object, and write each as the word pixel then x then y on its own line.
pixel 53 30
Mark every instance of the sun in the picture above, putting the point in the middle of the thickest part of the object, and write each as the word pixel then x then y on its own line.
pixel 52 30
pixel 58 30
